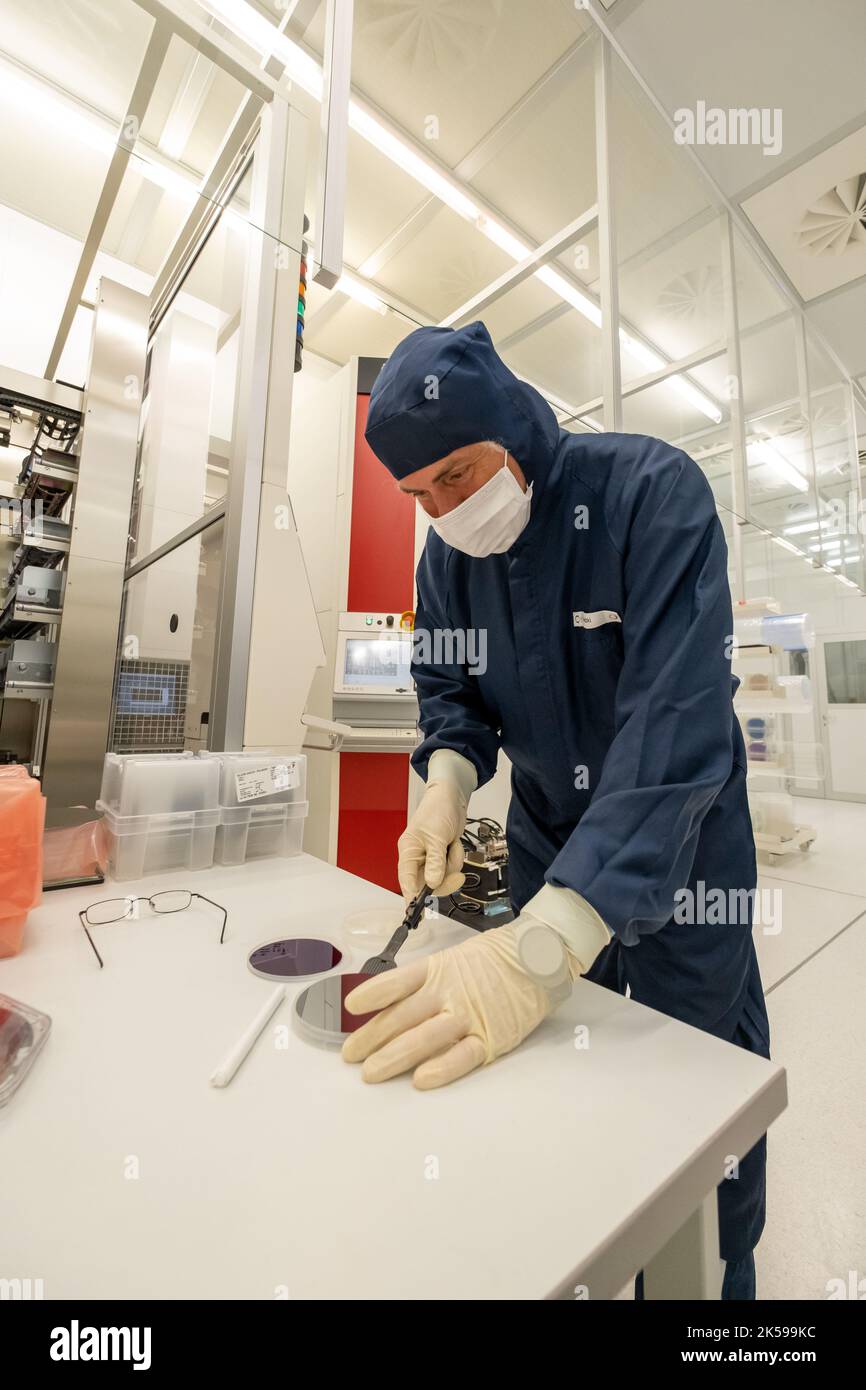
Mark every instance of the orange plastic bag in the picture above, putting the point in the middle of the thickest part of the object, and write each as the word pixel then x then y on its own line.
pixel 22 825
pixel 74 851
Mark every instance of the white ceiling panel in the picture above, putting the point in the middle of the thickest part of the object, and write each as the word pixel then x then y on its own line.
pixel 90 47
pixel 52 170
pixel 462 62
pixel 562 355
pixel 842 320
pixel 544 176
pixel 656 191
pixel 804 59
pixel 379 196
pixel 444 265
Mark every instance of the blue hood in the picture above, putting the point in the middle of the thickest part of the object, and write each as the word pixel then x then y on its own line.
pixel 444 388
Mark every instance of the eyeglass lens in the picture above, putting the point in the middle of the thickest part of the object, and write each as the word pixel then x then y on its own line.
pixel 115 909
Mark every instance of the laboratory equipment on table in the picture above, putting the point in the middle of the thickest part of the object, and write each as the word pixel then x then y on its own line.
pixel 294 958
pixel 485 866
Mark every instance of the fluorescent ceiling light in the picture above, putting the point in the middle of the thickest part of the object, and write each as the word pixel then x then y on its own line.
pixel 581 302
pixel 411 162
pixel 789 545
pixel 347 284
pixel 762 451
pixel 267 39
pixel 501 237
pixel 653 362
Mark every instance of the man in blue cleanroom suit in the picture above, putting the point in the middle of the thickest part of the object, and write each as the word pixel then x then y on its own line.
pixel 597 568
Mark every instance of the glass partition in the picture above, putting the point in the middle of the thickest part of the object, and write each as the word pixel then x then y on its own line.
pixel 668 243
pixel 839 541
pixel 190 389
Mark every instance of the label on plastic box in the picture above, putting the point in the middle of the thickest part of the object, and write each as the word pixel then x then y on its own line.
pixel 264 781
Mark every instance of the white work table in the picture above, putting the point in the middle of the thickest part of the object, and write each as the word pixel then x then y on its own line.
pixel 126 1175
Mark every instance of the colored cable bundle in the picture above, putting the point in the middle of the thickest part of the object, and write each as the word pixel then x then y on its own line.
pixel 302 301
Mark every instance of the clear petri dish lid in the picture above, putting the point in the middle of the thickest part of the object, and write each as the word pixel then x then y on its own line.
pixel 373 927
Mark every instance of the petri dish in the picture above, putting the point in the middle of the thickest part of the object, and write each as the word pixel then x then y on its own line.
pixel 320 1015
pixel 373 927
pixel 294 958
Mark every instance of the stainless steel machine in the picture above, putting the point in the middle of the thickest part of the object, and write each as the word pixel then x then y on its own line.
pixel 65 521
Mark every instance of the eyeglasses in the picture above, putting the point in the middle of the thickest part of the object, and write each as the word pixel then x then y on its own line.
pixel 117 909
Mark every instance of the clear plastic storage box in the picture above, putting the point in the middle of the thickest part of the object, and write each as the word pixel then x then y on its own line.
pixel 160 811
pixel 139 845
pixel 157 784
pixel 263 805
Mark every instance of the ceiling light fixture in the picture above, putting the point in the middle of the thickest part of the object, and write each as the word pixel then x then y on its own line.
pixel 789 545
pixel 347 284
pixel 762 451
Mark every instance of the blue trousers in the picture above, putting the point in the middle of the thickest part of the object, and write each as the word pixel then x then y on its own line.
pixel 738 1284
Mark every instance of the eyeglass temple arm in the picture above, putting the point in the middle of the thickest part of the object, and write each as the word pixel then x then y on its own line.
pixel 81 918
pixel 219 909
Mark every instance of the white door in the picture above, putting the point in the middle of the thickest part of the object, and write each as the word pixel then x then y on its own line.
pixel 841 672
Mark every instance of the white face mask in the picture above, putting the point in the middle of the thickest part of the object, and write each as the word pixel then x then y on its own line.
pixel 489 521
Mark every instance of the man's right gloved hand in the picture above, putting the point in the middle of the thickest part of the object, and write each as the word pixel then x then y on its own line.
pixel 429 849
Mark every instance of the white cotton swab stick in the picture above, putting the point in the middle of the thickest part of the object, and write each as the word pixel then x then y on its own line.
pixel 233 1058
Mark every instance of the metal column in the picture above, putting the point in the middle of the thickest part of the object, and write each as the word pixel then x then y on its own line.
pixel 739 471
pixel 608 270
pixel 87 644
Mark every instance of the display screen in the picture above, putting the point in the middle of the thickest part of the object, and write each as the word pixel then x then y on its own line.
pixel 141 692
pixel 383 662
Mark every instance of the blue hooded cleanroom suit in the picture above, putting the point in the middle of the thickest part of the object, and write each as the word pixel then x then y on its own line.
pixel 629 775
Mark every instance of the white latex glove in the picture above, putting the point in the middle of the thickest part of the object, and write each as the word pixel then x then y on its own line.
pixel 429 850
pixel 448 1013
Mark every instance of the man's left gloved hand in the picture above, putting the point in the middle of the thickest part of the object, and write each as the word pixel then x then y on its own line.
pixel 448 1013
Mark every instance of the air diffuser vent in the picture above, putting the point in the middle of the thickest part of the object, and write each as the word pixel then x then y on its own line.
pixel 696 294
pixel 837 220
pixel 430 35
